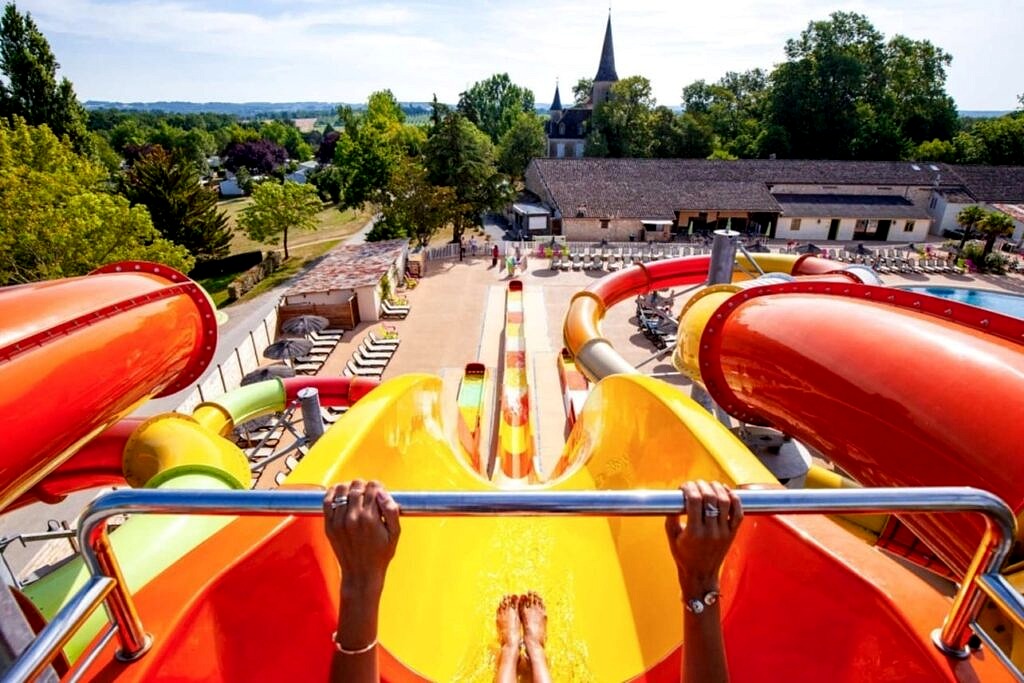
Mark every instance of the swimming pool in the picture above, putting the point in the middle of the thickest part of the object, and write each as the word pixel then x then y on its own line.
pixel 1000 302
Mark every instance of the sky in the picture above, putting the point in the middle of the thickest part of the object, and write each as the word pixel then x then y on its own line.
pixel 341 50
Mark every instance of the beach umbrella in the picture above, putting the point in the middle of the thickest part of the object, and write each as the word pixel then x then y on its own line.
pixel 862 250
pixel 305 324
pixel 289 347
pixel 809 249
pixel 267 372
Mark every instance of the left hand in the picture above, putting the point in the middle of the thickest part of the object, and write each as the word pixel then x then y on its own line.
pixel 363 531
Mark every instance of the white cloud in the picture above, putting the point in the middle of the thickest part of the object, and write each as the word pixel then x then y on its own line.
pixel 336 50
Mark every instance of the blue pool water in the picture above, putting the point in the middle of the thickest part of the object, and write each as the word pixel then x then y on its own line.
pixel 1000 302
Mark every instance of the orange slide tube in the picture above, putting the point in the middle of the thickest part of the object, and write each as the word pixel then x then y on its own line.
pixel 898 388
pixel 86 352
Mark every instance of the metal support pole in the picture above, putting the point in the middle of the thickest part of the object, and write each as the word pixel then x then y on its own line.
pixel 312 418
pixel 951 639
pixel 723 257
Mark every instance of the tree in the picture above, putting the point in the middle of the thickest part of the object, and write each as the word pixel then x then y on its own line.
pixel 328 182
pixel 277 208
pixel 968 219
pixel 369 148
pixel 31 90
pixel 56 217
pixel 681 136
pixel 935 150
pixel 844 92
pixel 623 126
pixel 182 210
pixel 582 90
pixel 521 143
pixel 997 140
pixel 733 109
pixel 289 137
pixel 494 104
pixel 412 207
pixel 459 155
pixel 261 157
pixel 994 224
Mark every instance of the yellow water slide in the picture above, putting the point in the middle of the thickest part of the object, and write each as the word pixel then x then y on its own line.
pixel 457 569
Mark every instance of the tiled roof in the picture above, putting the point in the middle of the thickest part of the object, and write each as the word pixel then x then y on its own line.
pixel 654 188
pixel 993 183
pixel 1014 211
pixel 850 206
pixel 348 266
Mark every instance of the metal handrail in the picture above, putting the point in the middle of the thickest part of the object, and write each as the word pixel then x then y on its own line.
pixel 981 580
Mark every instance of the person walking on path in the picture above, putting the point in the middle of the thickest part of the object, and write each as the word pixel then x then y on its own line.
pixel 494 256
pixel 462 248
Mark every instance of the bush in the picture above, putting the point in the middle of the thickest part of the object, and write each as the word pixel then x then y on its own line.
pixel 215 267
pixel 250 278
pixel 996 263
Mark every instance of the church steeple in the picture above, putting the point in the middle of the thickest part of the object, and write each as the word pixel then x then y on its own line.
pixel 606 67
pixel 556 104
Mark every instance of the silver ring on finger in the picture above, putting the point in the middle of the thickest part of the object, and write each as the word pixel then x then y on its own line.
pixel 711 510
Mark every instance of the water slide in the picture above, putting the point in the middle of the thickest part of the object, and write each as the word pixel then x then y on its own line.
pixel 609 583
pixel 515 424
pixel 470 400
pixel 897 388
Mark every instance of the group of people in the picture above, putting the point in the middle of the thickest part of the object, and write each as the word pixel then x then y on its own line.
pixel 363 524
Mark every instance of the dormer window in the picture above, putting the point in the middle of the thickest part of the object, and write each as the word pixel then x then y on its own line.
pixel 561 129
pixel 579 129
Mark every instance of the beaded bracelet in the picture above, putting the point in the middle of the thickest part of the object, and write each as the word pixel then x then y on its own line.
pixel 360 651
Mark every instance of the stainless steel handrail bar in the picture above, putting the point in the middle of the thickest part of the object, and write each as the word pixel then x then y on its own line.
pixel 43 650
pixel 951 638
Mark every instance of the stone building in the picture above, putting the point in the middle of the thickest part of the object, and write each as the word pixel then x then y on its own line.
pixel 662 199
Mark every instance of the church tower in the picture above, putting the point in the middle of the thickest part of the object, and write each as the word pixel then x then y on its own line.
pixel 606 75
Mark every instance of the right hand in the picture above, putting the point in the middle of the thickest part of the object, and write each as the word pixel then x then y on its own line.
pixel 700 546
pixel 362 523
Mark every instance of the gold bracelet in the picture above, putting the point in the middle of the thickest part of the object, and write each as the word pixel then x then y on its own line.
pixel 360 651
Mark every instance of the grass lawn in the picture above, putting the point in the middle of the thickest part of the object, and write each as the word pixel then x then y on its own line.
pixel 303 246
pixel 333 225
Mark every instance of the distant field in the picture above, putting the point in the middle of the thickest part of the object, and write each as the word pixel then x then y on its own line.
pixel 334 224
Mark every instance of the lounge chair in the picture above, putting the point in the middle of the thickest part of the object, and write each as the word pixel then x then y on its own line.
pixel 389 311
pixel 374 352
pixel 327 335
pixel 382 341
pixel 364 361
pixel 352 370
pixel 308 368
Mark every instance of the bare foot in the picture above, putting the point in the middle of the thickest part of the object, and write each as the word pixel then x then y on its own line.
pixel 535 634
pixel 534 618
pixel 510 630
pixel 510 635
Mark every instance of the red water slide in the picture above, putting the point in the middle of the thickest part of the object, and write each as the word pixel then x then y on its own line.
pixel 85 352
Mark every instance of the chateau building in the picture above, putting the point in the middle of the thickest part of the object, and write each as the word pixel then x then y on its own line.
pixel 567 128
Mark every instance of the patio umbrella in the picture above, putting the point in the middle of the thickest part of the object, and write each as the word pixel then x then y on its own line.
pixel 863 251
pixel 289 347
pixel 758 248
pixel 809 249
pixel 267 372
pixel 305 324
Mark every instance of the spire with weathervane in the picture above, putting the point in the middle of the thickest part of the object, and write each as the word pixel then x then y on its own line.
pixel 556 104
pixel 606 75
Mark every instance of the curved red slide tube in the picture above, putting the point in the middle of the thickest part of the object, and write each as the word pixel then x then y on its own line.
pixel 77 355
pixel 335 392
pixel 896 387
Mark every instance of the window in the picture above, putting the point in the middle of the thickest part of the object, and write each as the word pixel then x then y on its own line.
pixel 604 223
pixel 579 129
pixel 908 226
pixel 794 224
pixel 579 149
pixel 863 226
pixel 561 129
pixel 884 188
pixel 560 150
pixel 933 202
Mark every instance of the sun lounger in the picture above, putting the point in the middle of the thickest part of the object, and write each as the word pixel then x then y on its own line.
pixel 390 311
pixel 376 353
pixel 364 361
pixel 352 370
pixel 382 341
pixel 327 335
